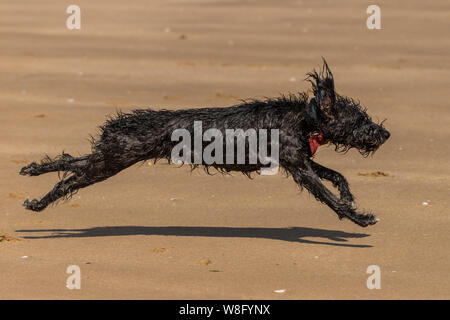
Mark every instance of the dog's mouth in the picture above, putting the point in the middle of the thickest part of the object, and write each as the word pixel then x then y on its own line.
pixel 360 142
pixel 370 138
pixel 368 149
pixel 364 150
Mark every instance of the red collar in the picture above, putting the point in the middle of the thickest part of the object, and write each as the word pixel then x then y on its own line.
pixel 315 141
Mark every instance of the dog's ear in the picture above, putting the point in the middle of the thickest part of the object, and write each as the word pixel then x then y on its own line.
pixel 323 88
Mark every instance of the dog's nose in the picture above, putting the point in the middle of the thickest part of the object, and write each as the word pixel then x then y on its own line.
pixel 386 134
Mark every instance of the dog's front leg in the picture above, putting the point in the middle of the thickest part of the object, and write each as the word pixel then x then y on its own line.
pixel 338 181
pixel 306 177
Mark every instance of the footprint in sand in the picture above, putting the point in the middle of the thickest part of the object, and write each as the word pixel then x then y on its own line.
pixel 7 238
pixel 72 205
pixel 16 195
pixel 375 174
pixel 204 262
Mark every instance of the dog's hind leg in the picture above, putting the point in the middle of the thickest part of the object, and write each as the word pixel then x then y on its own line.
pixel 64 162
pixel 337 179
pixel 86 171
pixel 60 190
pixel 307 178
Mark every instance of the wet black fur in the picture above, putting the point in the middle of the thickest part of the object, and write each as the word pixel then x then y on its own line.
pixel 142 135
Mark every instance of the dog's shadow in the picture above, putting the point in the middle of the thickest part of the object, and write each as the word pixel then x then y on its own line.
pixel 294 234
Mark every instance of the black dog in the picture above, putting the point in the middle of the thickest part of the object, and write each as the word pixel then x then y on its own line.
pixel 303 126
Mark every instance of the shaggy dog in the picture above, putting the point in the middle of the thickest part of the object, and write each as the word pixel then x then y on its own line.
pixel 303 124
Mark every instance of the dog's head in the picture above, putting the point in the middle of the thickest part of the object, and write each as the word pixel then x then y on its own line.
pixel 342 120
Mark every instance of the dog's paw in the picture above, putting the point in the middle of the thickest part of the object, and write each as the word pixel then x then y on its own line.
pixel 30 170
pixel 33 205
pixel 365 220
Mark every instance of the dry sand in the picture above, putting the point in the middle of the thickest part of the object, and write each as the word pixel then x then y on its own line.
pixel 158 232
